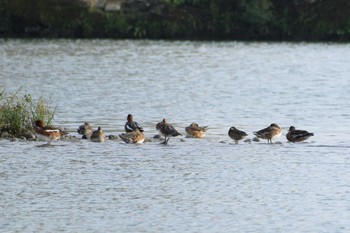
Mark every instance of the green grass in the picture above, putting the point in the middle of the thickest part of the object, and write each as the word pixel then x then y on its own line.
pixel 18 113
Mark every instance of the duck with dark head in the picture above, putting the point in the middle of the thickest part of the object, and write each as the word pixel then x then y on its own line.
pixel 167 130
pixel 297 135
pixel 236 134
pixel 131 125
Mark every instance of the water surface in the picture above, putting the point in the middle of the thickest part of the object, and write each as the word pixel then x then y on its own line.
pixel 209 185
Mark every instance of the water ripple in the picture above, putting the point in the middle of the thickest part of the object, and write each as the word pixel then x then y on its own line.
pixel 209 185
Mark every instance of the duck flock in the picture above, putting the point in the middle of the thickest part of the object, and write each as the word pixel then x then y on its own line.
pixel 134 132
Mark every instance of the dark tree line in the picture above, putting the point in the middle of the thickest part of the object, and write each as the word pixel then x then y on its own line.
pixel 318 20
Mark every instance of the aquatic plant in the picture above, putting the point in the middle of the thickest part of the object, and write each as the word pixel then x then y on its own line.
pixel 41 109
pixel 18 114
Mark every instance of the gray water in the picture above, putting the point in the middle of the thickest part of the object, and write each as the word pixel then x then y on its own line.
pixel 190 185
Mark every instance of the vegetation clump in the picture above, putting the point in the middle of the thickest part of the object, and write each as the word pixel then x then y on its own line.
pixel 18 113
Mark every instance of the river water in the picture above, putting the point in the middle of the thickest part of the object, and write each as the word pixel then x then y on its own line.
pixel 190 185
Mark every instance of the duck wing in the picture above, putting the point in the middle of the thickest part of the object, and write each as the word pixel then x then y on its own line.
pixel 300 134
pixel 171 130
pixel 264 132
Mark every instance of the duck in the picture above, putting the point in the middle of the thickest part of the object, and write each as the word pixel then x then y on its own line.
pixel 98 135
pixel 269 133
pixel 135 136
pixel 47 132
pixel 167 130
pixel 85 130
pixel 295 135
pixel 236 134
pixel 131 125
pixel 193 130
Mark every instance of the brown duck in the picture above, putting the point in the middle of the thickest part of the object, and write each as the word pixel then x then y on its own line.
pixel 167 130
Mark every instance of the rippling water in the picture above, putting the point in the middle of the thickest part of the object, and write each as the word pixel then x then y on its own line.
pixel 209 185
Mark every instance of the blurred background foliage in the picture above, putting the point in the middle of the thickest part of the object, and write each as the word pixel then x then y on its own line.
pixel 310 20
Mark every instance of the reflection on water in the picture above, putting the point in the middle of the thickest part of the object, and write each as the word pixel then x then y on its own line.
pixel 208 185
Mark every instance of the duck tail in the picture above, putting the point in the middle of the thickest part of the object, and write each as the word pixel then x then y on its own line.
pixel 176 134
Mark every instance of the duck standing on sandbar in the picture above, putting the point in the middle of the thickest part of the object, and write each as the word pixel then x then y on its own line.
pixel 269 133
pixel 167 130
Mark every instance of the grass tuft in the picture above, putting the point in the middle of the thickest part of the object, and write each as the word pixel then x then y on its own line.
pixel 18 113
